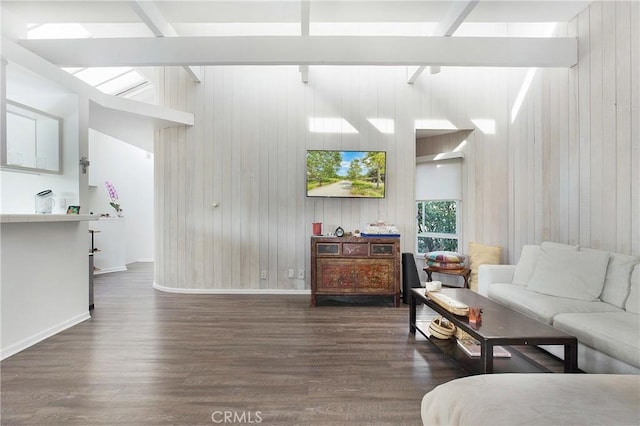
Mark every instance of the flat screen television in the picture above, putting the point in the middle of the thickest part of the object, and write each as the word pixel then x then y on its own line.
pixel 346 174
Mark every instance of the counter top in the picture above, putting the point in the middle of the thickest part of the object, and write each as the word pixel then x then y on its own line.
pixel 28 218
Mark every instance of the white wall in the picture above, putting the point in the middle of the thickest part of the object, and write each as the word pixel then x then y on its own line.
pixel 130 170
pixel 19 188
pixel 547 175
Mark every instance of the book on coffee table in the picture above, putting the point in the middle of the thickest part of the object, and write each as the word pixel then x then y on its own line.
pixel 472 348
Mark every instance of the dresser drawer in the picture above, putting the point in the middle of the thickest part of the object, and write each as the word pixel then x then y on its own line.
pixel 355 249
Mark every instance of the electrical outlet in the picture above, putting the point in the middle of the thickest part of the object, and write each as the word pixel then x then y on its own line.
pixel 263 275
pixel 301 274
pixel 291 273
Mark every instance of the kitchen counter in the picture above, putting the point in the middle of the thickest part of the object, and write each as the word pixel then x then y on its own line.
pixel 45 277
pixel 26 218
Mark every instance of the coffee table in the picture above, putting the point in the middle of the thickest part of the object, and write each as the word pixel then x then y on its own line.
pixel 500 326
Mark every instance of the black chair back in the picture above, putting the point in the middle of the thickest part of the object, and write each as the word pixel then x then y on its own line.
pixel 410 277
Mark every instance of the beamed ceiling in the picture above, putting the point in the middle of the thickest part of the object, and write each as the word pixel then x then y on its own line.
pixel 306 33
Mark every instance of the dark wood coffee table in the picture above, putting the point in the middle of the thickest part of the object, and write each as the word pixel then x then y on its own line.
pixel 500 326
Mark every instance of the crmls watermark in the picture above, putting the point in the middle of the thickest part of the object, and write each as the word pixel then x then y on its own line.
pixel 244 417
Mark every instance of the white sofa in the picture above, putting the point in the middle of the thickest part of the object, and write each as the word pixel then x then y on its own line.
pixel 534 399
pixel 591 294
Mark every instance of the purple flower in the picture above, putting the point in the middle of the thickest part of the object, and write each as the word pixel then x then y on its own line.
pixel 114 196
pixel 112 191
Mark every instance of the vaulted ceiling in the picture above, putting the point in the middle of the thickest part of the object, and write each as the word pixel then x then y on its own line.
pixel 416 34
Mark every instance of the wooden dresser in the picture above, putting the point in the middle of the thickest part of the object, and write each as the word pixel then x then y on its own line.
pixel 355 266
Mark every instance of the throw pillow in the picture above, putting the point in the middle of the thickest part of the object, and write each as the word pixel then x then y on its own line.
pixel 559 246
pixel 480 254
pixel 571 274
pixel 444 256
pixel 529 256
pixel 526 264
pixel 633 300
pixel 445 265
pixel 616 282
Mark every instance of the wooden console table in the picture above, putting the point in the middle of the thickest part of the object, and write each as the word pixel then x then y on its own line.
pixel 355 266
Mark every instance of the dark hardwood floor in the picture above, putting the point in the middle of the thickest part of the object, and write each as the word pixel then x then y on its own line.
pixel 147 357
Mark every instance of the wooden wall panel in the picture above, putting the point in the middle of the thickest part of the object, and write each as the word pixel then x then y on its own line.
pixel 586 182
pixel 621 157
pixel 566 169
pixel 635 130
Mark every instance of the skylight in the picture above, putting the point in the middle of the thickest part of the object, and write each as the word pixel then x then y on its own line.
pixel 110 80
pixel 229 29
pixel 372 28
pixel 55 31
pixel 123 83
pixel 96 76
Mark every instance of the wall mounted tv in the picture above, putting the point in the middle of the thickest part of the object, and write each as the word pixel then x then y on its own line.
pixel 346 174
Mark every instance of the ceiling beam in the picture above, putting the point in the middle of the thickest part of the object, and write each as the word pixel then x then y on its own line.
pixel 283 50
pixel 457 13
pixel 161 117
pixel 305 18
pixel 305 14
pixel 304 73
pixel 151 16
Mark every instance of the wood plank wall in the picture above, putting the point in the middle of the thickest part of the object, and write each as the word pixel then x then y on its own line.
pixel 565 170
pixel 575 147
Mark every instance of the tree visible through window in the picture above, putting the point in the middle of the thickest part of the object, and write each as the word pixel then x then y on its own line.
pixel 437 223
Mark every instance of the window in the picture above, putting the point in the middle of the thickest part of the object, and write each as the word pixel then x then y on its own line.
pixel 437 223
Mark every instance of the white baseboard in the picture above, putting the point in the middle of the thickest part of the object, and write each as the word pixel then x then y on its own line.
pixel 38 337
pixel 107 270
pixel 146 260
pixel 227 290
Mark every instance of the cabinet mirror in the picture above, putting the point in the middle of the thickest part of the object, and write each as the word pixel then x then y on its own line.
pixel 32 141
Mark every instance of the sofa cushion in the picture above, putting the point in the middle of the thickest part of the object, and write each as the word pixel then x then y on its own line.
pixel 529 256
pixel 541 306
pixel 480 254
pixel 559 246
pixel 633 301
pixel 614 333
pixel 616 282
pixel 526 264
pixel 567 273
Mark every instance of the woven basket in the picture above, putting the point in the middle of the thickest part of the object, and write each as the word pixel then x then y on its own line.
pixel 462 335
pixel 441 328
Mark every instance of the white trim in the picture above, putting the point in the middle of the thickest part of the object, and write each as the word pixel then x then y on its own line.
pixel 146 260
pixel 439 157
pixel 38 337
pixel 228 290
pixel 108 270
